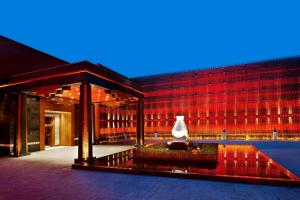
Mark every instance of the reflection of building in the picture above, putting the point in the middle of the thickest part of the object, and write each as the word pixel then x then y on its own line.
pixel 248 101
pixel 45 101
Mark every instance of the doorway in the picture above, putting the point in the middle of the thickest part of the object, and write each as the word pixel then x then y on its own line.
pixel 57 129
pixel 52 129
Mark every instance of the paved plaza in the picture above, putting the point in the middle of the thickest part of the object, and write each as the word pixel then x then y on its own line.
pixel 48 175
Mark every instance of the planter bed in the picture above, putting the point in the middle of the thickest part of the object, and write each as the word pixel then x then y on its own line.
pixel 194 153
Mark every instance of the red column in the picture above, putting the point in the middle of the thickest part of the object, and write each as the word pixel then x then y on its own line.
pixel 20 141
pixel 140 122
pixel 85 148
pixel 96 122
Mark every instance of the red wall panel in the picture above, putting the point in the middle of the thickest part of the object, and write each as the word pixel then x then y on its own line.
pixel 249 101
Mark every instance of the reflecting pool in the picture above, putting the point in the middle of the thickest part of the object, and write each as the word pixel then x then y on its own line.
pixel 236 163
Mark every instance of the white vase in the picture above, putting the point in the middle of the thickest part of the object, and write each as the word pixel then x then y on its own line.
pixel 180 131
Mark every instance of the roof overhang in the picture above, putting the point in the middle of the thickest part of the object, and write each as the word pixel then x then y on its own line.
pixel 72 73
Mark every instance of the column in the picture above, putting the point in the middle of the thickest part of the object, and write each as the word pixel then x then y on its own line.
pixel 20 139
pixel 140 122
pixel 85 148
pixel 96 122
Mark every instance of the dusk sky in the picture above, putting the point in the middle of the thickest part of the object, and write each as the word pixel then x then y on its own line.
pixel 138 38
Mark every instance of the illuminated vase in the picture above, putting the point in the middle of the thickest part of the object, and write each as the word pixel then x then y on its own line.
pixel 180 131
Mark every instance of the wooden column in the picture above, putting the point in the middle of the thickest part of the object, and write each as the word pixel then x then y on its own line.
pixel 85 148
pixel 42 124
pixel 96 121
pixel 140 122
pixel 20 139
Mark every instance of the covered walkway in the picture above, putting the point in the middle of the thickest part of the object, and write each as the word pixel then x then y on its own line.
pixel 64 155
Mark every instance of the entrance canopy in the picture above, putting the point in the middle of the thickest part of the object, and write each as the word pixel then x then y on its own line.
pixel 82 82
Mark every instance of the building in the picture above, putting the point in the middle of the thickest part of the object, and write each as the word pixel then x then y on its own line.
pixel 247 101
pixel 46 101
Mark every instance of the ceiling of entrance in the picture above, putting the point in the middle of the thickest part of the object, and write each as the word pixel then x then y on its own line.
pixel 100 95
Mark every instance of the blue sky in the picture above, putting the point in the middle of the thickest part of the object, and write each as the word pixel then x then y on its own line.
pixel 137 38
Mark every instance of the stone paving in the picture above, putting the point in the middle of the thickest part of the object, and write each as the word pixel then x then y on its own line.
pixel 48 175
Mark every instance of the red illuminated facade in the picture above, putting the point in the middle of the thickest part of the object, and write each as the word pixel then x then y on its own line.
pixel 89 103
pixel 248 101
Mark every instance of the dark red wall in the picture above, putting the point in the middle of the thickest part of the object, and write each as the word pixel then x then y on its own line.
pixel 17 58
pixel 113 123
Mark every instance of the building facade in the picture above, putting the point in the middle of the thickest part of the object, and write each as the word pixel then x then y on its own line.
pixel 247 102
pixel 45 102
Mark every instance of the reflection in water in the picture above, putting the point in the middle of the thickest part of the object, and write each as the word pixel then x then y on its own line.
pixel 233 160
